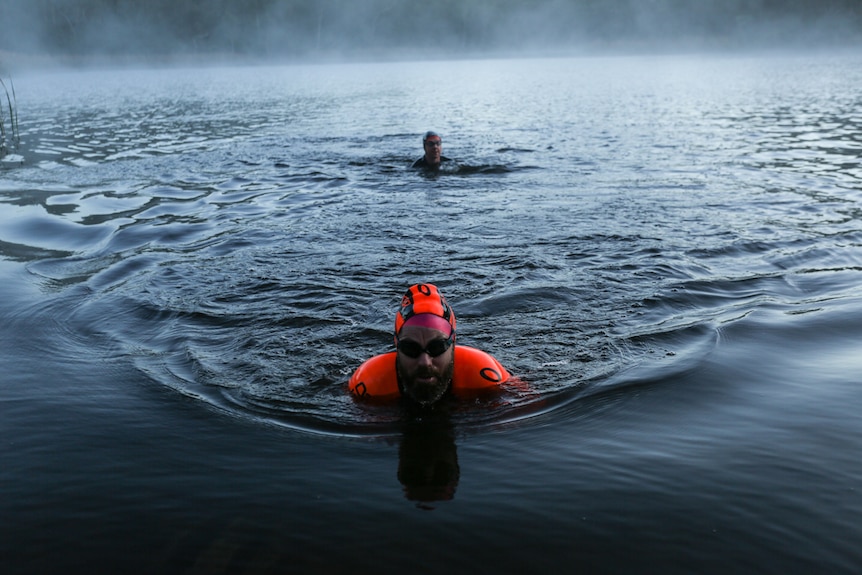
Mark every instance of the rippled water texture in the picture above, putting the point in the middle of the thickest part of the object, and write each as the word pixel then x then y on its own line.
pixel 667 249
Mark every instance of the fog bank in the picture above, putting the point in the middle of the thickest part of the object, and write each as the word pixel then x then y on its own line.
pixel 86 29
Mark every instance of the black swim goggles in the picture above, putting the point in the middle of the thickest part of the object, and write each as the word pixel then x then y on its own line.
pixel 434 348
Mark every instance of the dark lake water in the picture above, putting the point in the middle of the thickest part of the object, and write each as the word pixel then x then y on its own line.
pixel 667 249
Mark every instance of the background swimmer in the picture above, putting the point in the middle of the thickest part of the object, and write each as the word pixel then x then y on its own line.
pixel 433 146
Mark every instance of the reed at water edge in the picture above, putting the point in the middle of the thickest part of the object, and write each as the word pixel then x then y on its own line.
pixel 9 137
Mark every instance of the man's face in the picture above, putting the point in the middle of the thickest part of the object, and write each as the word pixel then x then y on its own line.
pixel 433 149
pixel 424 378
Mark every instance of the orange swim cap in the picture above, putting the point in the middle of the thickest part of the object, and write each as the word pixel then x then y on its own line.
pixel 423 298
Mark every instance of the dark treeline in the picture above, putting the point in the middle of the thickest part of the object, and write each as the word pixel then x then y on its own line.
pixel 303 27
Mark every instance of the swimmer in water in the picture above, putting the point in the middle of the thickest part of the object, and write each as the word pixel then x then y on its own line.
pixel 426 364
pixel 433 145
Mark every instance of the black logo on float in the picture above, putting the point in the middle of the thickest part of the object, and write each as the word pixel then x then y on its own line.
pixel 491 374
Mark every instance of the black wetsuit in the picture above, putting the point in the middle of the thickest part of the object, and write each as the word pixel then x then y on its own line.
pixel 421 163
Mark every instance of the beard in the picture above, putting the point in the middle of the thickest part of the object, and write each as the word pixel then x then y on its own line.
pixel 425 392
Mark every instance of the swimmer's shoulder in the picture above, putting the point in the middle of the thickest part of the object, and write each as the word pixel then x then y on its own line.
pixel 421 163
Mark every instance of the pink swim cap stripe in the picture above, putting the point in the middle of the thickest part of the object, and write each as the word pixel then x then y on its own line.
pixel 424 299
pixel 429 320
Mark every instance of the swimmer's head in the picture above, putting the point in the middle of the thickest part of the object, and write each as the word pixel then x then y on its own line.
pixel 423 305
pixel 431 136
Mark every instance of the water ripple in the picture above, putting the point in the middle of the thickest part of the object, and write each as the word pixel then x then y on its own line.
pixel 245 243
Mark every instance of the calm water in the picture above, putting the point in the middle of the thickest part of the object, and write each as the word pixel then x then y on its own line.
pixel 669 250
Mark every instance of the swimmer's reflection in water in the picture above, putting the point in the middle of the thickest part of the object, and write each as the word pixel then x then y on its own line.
pixel 428 461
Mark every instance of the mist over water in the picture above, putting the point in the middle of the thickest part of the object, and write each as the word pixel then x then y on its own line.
pixel 88 30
